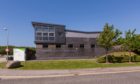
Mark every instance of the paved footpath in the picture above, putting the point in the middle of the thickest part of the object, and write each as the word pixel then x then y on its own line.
pixel 8 73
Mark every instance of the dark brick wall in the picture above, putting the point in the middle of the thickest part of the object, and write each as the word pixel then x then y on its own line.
pixel 71 53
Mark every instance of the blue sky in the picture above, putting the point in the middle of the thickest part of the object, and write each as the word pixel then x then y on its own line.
pixel 84 15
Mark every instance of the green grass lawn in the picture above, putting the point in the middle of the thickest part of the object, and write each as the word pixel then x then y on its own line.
pixel 72 64
pixel 68 64
pixel 2 65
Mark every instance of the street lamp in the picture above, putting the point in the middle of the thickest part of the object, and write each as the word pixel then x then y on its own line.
pixel 7 49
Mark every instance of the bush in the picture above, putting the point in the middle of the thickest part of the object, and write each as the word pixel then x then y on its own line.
pixel 3 52
pixel 135 58
pixel 30 54
pixel 101 59
pixel 118 59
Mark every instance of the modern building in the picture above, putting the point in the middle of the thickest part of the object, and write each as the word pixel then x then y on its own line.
pixel 54 41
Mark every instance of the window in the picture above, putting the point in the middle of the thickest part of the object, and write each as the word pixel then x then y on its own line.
pixel 58 46
pixel 81 45
pixel 51 29
pixel 39 34
pixel 92 45
pixel 38 29
pixel 70 45
pixel 38 38
pixel 45 45
pixel 51 38
pixel 46 29
pixel 45 34
pixel 51 34
pixel 45 38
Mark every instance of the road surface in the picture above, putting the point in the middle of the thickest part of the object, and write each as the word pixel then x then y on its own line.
pixel 118 78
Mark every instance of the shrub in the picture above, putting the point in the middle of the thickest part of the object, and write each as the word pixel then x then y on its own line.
pixel 118 59
pixel 30 54
pixel 101 59
pixel 135 58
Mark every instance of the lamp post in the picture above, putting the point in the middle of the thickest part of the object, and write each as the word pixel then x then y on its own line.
pixel 7 43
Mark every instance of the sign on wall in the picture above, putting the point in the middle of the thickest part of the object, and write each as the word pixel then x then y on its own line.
pixel 19 54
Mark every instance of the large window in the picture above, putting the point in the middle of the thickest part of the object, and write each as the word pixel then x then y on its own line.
pixel 45 33
pixel 38 38
pixel 51 38
pixel 39 29
pixel 51 29
pixel 45 38
pixel 46 29
pixel 51 34
pixel 39 34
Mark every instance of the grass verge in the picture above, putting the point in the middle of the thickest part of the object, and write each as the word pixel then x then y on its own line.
pixel 68 64
pixel 2 65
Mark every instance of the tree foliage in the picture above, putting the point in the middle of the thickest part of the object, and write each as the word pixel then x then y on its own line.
pixel 108 37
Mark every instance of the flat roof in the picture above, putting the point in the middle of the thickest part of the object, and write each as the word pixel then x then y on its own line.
pixel 67 30
pixel 45 24
pixel 76 31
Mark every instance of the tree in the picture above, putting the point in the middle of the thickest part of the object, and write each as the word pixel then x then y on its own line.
pixel 137 44
pixel 131 41
pixel 108 37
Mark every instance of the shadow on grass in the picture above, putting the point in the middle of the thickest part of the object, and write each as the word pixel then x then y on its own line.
pixel 16 67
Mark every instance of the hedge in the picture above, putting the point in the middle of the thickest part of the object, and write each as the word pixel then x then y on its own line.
pixel 118 59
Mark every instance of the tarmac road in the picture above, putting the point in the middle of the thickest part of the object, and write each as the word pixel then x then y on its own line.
pixel 116 78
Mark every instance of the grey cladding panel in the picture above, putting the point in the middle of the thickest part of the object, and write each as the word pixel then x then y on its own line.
pixel 60 35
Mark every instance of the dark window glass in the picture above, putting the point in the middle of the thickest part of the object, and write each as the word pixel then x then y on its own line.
pixel 46 29
pixel 39 34
pixel 92 45
pixel 58 46
pixel 51 38
pixel 51 34
pixel 81 45
pixel 45 46
pixel 39 29
pixel 45 34
pixel 70 45
pixel 45 38
pixel 51 29
pixel 38 38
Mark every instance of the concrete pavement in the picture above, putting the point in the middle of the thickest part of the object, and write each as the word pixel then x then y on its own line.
pixel 14 74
